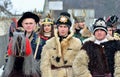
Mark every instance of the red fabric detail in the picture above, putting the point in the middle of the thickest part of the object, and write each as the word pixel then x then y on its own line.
pixel 9 52
pixel 15 21
pixel 28 47
pixel 43 37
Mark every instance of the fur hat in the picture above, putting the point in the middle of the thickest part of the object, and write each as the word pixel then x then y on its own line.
pixel 112 21
pixel 63 20
pixel 99 24
pixel 28 15
pixel 79 19
pixel 65 14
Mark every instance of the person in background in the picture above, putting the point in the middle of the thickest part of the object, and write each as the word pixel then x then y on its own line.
pixel 13 27
pixel 45 33
pixel 81 30
pixel 110 31
pixel 113 22
pixel 47 28
pixel 59 52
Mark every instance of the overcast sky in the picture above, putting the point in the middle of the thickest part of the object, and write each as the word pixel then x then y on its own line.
pixel 20 6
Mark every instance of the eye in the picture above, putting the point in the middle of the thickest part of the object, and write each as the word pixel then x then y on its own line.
pixel 29 23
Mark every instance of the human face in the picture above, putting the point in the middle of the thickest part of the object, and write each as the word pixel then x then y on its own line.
pixel 114 28
pixel 81 24
pixel 110 31
pixel 77 26
pixel 100 34
pixel 47 28
pixel 63 30
pixel 29 24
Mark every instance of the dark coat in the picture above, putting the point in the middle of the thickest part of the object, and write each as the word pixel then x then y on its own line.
pixel 112 50
pixel 41 44
pixel 110 60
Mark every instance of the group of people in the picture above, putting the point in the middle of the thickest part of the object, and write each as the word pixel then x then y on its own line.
pixel 64 50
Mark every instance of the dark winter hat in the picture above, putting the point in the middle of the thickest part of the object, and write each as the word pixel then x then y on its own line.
pixel 63 20
pixel 99 24
pixel 65 14
pixel 112 21
pixel 28 15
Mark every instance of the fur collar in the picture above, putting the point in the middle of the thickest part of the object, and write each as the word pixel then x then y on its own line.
pixel 86 32
pixel 92 38
pixel 64 43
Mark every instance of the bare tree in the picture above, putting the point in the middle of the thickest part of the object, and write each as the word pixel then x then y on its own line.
pixel 5 6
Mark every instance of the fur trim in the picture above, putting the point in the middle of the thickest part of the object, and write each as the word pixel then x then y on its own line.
pixel 80 65
pixel 28 48
pixel 73 27
pixel 20 57
pixel 86 32
pixel 97 58
pixel 111 48
pixel 57 41
pixel 64 43
pixel 110 37
pixel 117 64
pixel 92 38
pixel 21 29
pixel 50 56
pixel 117 36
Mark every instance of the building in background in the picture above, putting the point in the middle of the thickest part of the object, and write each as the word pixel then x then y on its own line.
pixel 102 7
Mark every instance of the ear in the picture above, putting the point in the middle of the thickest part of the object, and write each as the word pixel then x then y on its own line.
pixel 28 47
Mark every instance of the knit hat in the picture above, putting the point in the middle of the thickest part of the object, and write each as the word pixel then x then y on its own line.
pixel 28 15
pixel 99 24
